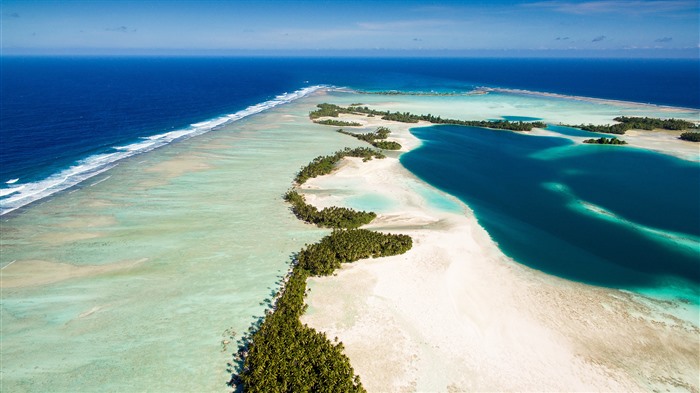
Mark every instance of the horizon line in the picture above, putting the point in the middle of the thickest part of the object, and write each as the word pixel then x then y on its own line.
pixel 681 53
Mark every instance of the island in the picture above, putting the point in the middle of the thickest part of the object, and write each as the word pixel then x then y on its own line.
pixel 332 110
pixel 639 123
pixel 690 136
pixel 376 138
pixel 284 355
pixel 605 141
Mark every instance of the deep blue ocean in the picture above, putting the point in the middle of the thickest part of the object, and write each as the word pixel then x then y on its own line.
pixel 64 119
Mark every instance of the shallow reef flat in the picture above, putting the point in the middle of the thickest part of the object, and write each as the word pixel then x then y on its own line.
pixel 137 279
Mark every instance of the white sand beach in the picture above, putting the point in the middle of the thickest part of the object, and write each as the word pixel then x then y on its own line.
pixel 455 314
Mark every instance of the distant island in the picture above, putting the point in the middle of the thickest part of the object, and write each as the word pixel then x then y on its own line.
pixel 690 136
pixel 339 123
pixel 638 123
pixel 605 141
pixel 332 110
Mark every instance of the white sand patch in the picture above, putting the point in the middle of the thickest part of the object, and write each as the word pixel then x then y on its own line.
pixel 455 314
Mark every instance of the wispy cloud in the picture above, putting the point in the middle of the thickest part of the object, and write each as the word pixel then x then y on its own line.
pixel 624 7
pixel 664 39
pixel 599 38
pixel 562 38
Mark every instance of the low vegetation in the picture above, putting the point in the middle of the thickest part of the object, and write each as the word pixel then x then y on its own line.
pixel 605 141
pixel 638 123
pixel 330 217
pixel 283 355
pixel 387 145
pixel 406 117
pixel 323 165
pixel 286 356
pixel 338 123
pixel 376 138
pixel 344 246
pixel 691 136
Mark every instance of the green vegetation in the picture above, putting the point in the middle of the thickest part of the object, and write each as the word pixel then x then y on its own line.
pixel 330 217
pixel 638 123
pixel 387 145
pixel 691 136
pixel 497 124
pixel 372 137
pixel 286 356
pixel 406 117
pixel 605 141
pixel 283 355
pixel 324 257
pixel 323 165
pixel 326 110
pixel 649 123
pixel 339 123
pixel 618 129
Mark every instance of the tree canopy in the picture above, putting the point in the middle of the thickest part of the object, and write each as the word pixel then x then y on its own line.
pixel 323 165
pixel 406 117
pixel 376 138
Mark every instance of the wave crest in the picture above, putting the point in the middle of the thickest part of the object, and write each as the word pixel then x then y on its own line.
pixel 18 195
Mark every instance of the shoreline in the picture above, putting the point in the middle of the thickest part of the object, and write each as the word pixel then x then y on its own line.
pixel 668 108
pixel 456 314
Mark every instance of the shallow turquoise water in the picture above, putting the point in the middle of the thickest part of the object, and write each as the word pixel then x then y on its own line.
pixel 369 202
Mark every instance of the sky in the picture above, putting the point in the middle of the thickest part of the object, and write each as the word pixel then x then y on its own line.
pixel 618 28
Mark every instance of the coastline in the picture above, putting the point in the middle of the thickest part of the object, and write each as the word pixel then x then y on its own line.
pixel 456 314
pixel 659 141
pixel 667 108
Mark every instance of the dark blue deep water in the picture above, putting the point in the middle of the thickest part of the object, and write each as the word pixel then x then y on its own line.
pixel 59 116
pixel 605 215
pixel 55 111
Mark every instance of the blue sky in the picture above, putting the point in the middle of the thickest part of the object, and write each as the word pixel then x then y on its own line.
pixel 604 27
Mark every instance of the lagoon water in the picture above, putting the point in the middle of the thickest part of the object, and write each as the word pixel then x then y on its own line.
pixel 605 215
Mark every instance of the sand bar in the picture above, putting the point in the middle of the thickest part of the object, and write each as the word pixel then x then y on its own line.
pixel 456 314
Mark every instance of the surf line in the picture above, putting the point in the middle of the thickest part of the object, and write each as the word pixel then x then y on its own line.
pixel 1 268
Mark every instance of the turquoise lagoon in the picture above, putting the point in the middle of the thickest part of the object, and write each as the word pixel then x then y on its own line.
pixel 604 215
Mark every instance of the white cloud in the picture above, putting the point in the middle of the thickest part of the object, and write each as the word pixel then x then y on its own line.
pixel 616 6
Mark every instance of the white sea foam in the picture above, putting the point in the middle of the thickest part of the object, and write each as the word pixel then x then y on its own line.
pixel 14 197
pixel 10 190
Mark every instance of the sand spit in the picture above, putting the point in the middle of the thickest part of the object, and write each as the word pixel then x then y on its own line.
pixel 455 314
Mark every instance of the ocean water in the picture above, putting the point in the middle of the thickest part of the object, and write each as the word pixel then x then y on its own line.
pixel 176 234
pixel 609 216
pixel 133 282
pixel 66 119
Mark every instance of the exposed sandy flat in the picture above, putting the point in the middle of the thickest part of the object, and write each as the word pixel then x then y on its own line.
pixel 456 314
